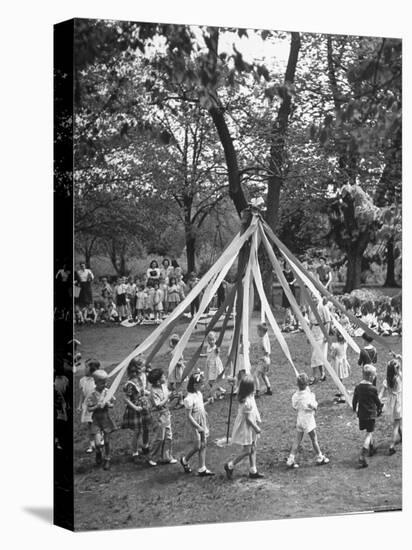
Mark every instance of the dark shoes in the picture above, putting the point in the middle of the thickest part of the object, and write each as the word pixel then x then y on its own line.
pixel 269 391
pixel 392 450
pixel 186 468
pixel 362 462
pixel 323 378
pixel 256 475
pixel 372 450
pixel 229 471
pixel 106 465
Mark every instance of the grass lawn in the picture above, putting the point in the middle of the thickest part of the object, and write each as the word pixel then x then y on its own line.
pixel 134 495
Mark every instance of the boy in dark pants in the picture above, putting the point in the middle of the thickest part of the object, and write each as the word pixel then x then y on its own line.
pixel 366 402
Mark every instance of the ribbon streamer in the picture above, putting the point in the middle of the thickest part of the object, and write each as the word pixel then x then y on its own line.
pixel 299 315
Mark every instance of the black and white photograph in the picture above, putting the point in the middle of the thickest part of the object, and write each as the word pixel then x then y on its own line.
pixel 236 281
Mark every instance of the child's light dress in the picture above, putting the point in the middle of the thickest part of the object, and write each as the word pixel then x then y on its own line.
pixel 340 363
pixel 214 365
pixel 194 402
pixel 393 405
pixel 243 433
pixel 263 361
pixel 158 300
pixel 140 299
pixel 306 417
pixel 87 386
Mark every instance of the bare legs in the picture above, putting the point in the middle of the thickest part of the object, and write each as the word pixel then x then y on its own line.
pixel 320 460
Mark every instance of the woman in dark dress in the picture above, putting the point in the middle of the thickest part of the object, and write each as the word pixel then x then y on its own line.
pixel 85 277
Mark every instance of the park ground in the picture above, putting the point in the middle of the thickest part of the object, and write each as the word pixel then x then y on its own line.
pixel 134 495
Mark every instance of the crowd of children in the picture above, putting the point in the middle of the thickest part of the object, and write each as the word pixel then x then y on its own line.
pixel 133 299
pixel 149 395
pixel 382 315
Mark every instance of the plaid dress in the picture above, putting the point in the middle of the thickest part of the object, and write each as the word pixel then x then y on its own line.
pixel 136 420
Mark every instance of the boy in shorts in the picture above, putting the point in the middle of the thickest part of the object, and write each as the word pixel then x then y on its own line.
pixel 368 406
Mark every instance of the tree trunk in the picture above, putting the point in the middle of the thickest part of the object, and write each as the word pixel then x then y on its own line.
pixel 190 251
pixel 278 138
pixel 354 255
pixel 390 263
pixel 235 188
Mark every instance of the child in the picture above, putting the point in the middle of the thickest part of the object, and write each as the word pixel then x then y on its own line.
pixel 304 401
pixel 102 424
pixel 214 367
pixel 196 428
pixel 161 451
pixel 263 362
pixel 90 314
pixel 368 406
pixel 157 303
pixel 113 314
pixel 175 377
pixel 246 428
pixel 137 413
pixel 340 363
pixel 163 288
pixel 120 294
pixel 131 298
pixel 140 303
pixel 78 315
pixel 87 386
pixel 173 294
pixel 392 386
pixel 150 291
pixel 368 355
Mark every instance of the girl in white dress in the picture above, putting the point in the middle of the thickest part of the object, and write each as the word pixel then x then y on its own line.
pixel 340 363
pixel 392 387
pixel 304 401
pixel 86 387
pixel 246 428
pixel 196 427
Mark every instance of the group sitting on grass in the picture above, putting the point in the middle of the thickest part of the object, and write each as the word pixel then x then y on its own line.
pixel 149 396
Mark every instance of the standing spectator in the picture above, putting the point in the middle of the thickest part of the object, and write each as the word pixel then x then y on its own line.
pixel 324 274
pixel 173 294
pixel 317 360
pixel 191 283
pixel 63 285
pixel 290 278
pixel 221 293
pixel 107 295
pixel 166 270
pixel 182 286
pixel 85 278
pixel 140 302
pixel 120 296
pixel 131 297
pixel 153 273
